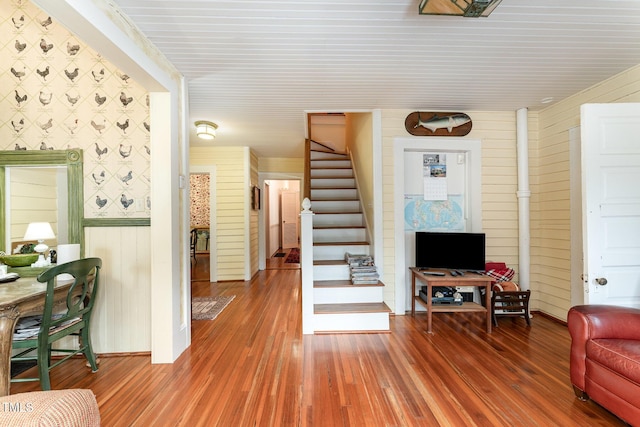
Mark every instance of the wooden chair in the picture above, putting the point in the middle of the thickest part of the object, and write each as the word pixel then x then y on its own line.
pixel 73 317
pixel 510 304
pixel 194 243
pixel 207 236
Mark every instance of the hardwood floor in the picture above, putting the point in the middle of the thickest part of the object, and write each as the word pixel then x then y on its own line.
pixel 278 263
pixel 200 267
pixel 252 367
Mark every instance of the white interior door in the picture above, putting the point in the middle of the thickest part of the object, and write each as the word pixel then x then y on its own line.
pixel 611 203
pixel 289 209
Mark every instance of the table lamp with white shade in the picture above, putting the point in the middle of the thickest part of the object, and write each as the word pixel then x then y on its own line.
pixel 40 231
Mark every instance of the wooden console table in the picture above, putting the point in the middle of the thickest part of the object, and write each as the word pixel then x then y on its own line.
pixel 469 279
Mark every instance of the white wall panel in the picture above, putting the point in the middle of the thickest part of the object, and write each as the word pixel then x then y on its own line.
pixel 122 319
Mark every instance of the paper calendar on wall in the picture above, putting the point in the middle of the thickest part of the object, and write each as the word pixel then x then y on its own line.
pixel 435 176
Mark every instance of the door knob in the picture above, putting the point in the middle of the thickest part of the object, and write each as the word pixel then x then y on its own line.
pixel 601 281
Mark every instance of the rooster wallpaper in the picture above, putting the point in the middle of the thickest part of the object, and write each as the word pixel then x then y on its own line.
pixel 57 93
pixel 200 199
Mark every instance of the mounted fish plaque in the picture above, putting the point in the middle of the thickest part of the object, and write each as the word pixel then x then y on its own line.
pixel 422 123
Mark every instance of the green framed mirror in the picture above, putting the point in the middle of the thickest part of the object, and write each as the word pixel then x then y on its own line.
pixel 72 160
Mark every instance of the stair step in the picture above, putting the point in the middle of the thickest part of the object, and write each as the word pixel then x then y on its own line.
pixel 342 219
pixel 331 173
pixel 333 183
pixel 329 262
pixel 337 174
pixel 320 148
pixel 337 166
pixel 331 270
pixel 340 243
pixel 337 212
pixel 323 149
pixel 351 323
pixel 342 283
pixel 327 155
pixel 334 194
pixel 328 251
pixel 343 291
pixel 337 227
pixel 339 234
pixel 333 187
pixel 353 199
pixel 330 163
pixel 364 307
pixel 332 206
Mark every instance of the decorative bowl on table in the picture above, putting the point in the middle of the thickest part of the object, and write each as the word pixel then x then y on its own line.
pixel 19 260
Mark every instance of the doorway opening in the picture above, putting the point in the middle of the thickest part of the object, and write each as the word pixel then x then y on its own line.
pixel 202 224
pixel 282 223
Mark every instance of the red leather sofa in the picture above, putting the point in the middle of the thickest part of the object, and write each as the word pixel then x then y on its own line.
pixel 605 357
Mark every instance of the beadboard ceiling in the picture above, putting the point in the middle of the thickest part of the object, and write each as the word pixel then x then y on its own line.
pixel 255 67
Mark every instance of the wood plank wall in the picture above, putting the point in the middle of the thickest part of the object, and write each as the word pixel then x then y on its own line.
pixel 551 253
pixel 232 190
pixel 497 131
pixel 359 145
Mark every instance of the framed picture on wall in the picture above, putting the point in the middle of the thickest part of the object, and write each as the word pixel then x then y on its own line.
pixel 255 198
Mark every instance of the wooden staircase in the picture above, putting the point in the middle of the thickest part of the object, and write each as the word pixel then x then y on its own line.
pixel 338 228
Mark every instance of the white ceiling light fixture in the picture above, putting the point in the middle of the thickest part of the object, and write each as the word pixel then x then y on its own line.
pixel 206 129
pixel 467 8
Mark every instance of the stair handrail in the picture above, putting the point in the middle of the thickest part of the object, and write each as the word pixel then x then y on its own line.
pixel 306 187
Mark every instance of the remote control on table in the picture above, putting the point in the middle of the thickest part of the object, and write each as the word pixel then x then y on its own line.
pixel 433 273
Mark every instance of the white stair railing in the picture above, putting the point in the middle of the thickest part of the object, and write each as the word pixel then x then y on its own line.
pixel 306 266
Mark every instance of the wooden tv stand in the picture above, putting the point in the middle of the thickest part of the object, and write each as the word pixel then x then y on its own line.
pixel 469 279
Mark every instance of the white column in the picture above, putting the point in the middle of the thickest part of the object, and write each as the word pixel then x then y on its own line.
pixel 524 196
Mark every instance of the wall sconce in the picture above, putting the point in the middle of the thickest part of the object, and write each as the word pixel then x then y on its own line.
pixel 40 231
pixel 467 8
pixel 205 129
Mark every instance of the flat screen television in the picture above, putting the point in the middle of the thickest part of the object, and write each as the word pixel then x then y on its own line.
pixel 456 251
